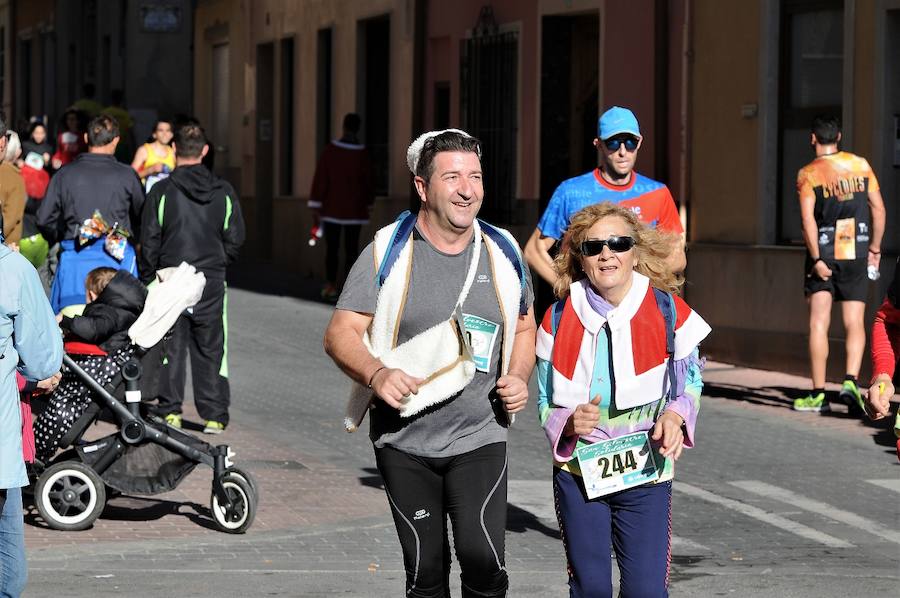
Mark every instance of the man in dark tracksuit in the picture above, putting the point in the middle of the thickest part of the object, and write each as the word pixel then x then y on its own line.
pixel 194 216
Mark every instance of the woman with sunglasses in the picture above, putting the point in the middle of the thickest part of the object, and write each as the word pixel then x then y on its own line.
pixel 618 380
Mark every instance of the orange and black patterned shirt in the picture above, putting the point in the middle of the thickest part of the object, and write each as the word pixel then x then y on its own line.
pixel 840 184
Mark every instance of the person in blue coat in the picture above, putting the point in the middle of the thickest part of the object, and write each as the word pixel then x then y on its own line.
pixel 30 342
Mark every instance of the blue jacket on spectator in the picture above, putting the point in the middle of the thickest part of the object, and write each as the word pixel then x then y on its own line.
pixel 30 341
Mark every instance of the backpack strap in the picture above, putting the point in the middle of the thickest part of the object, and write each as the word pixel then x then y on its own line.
pixel 666 306
pixel 556 316
pixel 511 251
pixel 405 224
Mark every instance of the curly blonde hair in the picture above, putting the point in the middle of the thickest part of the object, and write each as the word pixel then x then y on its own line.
pixel 652 248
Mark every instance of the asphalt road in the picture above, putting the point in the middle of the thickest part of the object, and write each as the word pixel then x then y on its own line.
pixel 767 504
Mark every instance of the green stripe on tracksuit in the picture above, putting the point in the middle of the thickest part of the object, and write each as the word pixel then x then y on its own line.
pixel 201 335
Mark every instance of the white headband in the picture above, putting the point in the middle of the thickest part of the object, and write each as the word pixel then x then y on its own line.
pixel 415 148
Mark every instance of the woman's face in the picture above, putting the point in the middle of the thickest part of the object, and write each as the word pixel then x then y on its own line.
pixel 39 135
pixel 610 273
pixel 72 122
pixel 163 133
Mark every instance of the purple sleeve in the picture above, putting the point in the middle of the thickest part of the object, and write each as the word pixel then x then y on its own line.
pixel 689 385
pixel 562 446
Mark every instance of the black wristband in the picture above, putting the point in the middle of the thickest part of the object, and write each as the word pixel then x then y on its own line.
pixel 372 377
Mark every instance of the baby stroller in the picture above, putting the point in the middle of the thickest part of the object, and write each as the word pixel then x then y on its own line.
pixel 144 455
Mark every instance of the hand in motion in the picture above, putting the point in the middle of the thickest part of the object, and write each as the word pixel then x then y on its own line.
pixel 873 259
pixel 49 384
pixel 878 401
pixel 513 391
pixel 394 386
pixel 585 418
pixel 668 430
pixel 822 270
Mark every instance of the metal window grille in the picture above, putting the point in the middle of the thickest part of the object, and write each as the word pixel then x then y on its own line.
pixel 489 110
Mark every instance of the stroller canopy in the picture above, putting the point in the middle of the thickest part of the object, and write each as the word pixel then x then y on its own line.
pixel 175 290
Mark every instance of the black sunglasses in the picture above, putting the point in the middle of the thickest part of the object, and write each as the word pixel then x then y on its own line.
pixel 614 143
pixel 594 247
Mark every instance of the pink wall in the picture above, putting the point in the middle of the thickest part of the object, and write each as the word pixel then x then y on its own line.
pixel 447 24
pixel 627 73
pixel 627 40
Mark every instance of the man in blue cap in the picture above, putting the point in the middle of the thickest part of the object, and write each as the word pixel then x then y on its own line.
pixel 618 141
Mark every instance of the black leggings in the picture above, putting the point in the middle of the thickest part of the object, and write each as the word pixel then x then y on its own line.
pixel 471 489
pixel 332 233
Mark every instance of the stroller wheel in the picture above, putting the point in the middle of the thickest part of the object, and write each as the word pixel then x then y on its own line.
pixel 69 496
pixel 251 481
pixel 243 505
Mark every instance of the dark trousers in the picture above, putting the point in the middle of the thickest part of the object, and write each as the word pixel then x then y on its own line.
pixel 471 490
pixel 332 234
pixel 204 335
pixel 636 523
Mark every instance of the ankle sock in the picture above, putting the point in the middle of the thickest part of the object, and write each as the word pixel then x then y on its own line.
pixel 817 391
pixel 849 378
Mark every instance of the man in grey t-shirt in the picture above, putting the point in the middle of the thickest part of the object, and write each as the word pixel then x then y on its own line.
pixel 450 458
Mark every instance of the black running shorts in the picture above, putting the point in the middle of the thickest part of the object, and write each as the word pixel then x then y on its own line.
pixel 849 280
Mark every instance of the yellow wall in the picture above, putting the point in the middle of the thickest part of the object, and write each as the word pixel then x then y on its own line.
pixel 723 145
pixel 752 294
pixel 210 17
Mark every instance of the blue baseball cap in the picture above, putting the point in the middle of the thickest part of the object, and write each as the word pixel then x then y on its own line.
pixel 615 121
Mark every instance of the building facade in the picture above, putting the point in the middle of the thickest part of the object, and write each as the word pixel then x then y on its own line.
pixel 142 48
pixel 275 79
pixel 724 91
pixel 760 71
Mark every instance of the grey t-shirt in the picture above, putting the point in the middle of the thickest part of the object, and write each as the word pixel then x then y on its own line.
pixel 474 417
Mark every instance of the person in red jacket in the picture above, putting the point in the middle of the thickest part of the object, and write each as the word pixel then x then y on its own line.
pixel 342 194
pixel 885 351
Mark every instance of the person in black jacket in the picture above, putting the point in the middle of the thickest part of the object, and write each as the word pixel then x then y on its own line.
pixel 195 217
pixel 93 182
pixel 115 299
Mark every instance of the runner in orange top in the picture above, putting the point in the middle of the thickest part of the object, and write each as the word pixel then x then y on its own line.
pixel 843 222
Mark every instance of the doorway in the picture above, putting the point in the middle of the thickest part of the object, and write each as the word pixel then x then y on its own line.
pixel 570 98
pixel 570 88
pixel 265 154
pixel 372 93
pixel 889 177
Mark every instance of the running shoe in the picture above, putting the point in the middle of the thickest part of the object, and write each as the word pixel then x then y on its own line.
pixel 174 420
pixel 850 394
pixel 213 427
pixel 812 403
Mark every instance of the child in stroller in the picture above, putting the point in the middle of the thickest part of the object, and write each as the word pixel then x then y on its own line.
pixel 144 455
pixel 114 301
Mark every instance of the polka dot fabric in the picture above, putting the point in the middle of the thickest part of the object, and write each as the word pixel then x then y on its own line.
pixel 71 399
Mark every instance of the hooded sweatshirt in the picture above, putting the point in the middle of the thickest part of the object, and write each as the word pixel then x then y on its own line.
pixel 106 320
pixel 195 217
